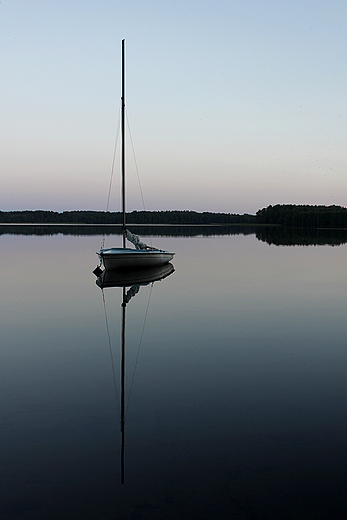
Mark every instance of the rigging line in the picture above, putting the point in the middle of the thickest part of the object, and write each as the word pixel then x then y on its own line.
pixel 138 350
pixel 136 168
pixel 111 354
pixel 112 173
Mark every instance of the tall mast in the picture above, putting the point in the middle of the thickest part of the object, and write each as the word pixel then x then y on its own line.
pixel 123 138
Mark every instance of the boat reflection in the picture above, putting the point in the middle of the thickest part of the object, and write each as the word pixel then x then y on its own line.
pixel 133 280
pixel 134 276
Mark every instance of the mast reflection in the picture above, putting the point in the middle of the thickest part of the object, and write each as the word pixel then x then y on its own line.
pixel 132 279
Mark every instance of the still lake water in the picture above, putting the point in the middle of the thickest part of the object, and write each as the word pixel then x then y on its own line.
pixel 236 387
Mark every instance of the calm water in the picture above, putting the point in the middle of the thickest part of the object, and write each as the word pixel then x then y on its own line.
pixel 236 387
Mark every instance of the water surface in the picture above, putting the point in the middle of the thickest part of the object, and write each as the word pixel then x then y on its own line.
pixel 235 388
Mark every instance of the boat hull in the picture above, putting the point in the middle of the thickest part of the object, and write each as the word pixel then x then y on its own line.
pixel 125 258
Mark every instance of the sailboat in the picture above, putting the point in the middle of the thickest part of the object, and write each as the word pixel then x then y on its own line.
pixel 142 256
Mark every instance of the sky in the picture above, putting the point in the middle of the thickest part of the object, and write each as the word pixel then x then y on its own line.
pixel 232 105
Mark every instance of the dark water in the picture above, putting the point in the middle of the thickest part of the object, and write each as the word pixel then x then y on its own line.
pixel 236 388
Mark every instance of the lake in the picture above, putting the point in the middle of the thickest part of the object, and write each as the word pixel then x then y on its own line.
pixel 235 386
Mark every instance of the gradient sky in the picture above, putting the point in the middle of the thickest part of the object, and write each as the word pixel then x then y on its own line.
pixel 232 104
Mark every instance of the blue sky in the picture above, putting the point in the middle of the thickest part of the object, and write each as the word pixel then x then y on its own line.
pixel 232 105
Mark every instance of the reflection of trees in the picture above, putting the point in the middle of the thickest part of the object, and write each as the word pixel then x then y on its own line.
pixel 277 235
pixel 183 231
pixel 290 236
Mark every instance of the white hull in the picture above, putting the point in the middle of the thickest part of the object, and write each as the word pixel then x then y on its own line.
pixel 127 258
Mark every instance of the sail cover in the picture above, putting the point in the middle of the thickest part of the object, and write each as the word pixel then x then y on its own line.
pixel 134 239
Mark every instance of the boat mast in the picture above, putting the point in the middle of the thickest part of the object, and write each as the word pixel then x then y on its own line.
pixel 123 138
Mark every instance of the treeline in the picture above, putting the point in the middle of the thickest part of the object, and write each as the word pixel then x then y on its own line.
pixel 135 217
pixel 303 216
pixel 281 214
